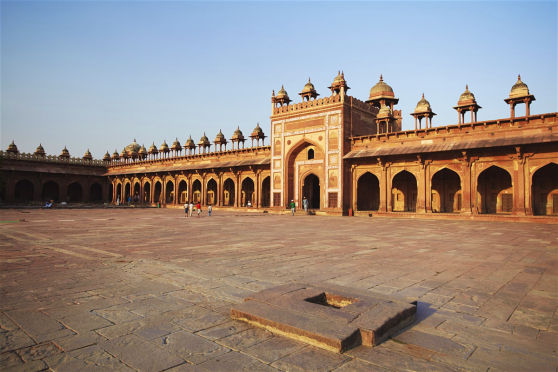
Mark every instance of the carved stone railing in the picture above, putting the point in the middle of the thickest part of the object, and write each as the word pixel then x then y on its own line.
pixel 217 155
pixel 52 159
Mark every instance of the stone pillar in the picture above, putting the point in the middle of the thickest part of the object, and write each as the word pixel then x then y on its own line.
pixel 421 189
pixel 428 185
pixel 528 188
pixel 237 190
pixel 258 188
pixel 389 207
pixel 519 186
pixel 354 188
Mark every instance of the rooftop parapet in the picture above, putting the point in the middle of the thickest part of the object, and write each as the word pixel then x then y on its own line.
pixel 51 159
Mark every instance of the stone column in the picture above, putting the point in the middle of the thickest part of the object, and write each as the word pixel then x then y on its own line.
pixel 421 189
pixel 237 191
pixel 519 186
pixel 383 188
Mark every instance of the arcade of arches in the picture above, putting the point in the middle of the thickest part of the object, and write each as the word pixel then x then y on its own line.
pixel 208 189
pixel 32 189
pixel 495 191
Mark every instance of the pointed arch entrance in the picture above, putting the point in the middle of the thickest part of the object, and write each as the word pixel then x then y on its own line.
pixel 303 159
pixel 368 192
pixel 136 197
pixel 196 191
pixel 494 191
pixel 311 190
pixel 157 192
pixel 446 191
pixel 404 192
pixel 228 193
pixel 211 192
pixel 169 192
pixel 183 191
pixel 545 190
pixel 147 193
pixel 127 193
pixel 247 192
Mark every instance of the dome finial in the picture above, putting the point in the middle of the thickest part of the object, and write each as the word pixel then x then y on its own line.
pixel 466 87
pixel 381 77
pixel 518 77
pixel 423 95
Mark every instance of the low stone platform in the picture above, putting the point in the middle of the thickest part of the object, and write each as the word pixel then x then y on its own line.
pixel 331 317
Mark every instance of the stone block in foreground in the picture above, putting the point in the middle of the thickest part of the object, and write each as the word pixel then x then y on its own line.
pixel 331 317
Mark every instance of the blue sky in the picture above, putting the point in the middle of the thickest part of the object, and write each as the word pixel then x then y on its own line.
pixel 99 74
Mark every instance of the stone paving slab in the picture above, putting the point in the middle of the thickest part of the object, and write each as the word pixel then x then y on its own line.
pixel 147 289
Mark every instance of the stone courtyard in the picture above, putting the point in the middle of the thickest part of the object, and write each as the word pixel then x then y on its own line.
pixel 150 290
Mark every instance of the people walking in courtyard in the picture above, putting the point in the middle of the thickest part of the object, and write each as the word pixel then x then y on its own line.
pixel 293 207
pixel 198 207
pixel 305 204
pixel 190 209
pixel 209 209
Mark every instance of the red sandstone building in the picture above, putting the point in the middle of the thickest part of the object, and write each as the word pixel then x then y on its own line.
pixel 344 155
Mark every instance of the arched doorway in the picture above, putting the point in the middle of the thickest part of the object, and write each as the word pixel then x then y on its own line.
pixel 247 192
pixel 494 188
pixel 95 193
pixel 196 191
pixel 147 193
pixel 183 192
pixel 51 191
pixel 266 192
pixel 23 191
pixel 300 154
pixel 74 192
pixel 136 197
pixel 127 193
pixel 368 192
pixel 118 193
pixel 404 192
pixel 211 192
pixel 545 190
pixel 110 193
pixel 169 192
pixel 311 190
pixel 228 192
pixel 157 192
pixel 446 195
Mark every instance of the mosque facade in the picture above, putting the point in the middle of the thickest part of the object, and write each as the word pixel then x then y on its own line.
pixel 344 155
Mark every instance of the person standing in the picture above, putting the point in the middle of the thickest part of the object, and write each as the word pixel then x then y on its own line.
pixel 293 207
pixel 305 204
pixel 198 207
pixel 190 209
pixel 186 209
pixel 209 209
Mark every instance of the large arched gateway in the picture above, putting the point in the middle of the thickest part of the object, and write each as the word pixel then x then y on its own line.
pixel 311 190
pixel 446 195
pixel 494 188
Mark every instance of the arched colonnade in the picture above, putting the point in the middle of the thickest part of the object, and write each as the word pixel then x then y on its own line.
pixel 487 188
pixel 225 189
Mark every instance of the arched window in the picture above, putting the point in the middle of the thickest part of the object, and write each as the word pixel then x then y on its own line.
pixel 310 154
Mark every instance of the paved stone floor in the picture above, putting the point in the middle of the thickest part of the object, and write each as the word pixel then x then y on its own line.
pixel 147 289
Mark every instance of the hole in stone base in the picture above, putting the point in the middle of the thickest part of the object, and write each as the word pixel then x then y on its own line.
pixel 331 300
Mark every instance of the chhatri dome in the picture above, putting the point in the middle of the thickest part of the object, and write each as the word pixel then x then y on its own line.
pixel 132 147
pixel 380 90
pixel 12 148
pixel 519 89
pixel 164 147
pixel 466 96
pixel 107 156
pixel 115 155
pixel 87 155
pixel 153 149
pixel 423 106
pixel 40 151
